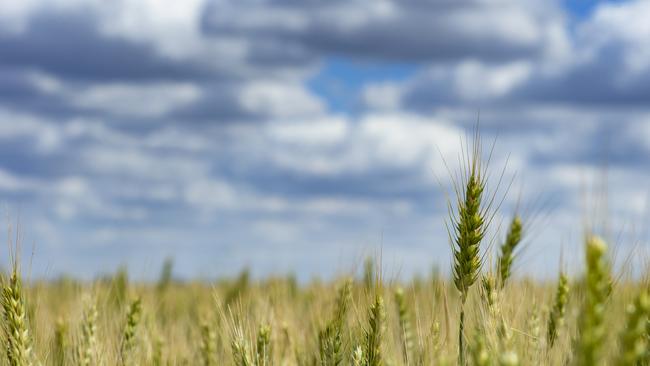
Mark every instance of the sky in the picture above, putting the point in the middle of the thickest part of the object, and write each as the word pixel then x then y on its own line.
pixel 302 136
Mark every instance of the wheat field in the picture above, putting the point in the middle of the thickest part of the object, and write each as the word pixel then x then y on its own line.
pixel 479 314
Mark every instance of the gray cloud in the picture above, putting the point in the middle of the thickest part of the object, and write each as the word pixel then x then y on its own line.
pixel 69 45
pixel 419 31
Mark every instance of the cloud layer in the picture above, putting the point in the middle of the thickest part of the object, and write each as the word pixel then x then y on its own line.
pixel 209 131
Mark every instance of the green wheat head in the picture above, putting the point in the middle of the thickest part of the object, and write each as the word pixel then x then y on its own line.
pixel 508 249
pixel 479 352
pixel 405 327
pixel 263 351
pixel 17 337
pixel 556 317
pixel 633 341
pixel 60 343
pixel 240 348
pixel 207 345
pixel 330 338
pixel 130 330
pixel 357 357
pixel 468 223
pixel 592 330
pixel 374 334
pixel 87 349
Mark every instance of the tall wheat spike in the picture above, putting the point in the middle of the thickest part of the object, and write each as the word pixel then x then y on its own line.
pixel 468 227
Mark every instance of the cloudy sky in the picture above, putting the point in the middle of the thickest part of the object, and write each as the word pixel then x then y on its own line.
pixel 292 135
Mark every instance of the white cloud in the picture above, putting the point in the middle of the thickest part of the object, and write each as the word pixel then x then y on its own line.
pixel 11 182
pixel 474 80
pixel 279 99
pixel 137 100
pixel 402 139
pixel 382 96
pixel 312 133
pixel 639 132
pixel 622 24
pixel 46 135
pixel 374 141
pixel 139 164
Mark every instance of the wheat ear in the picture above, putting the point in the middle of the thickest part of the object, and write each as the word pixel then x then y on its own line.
pixel 19 343
pixel 263 351
pixel 556 317
pixel 374 334
pixel 508 249
pixel 598 286
pixel 469 226
pixel 330 338
pixel 130 330
pixel 87 351
pixel 632 339
pixel 406 332
pixel 60 344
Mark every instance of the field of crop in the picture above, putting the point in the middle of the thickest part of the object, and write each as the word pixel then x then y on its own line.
pixel 480 315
